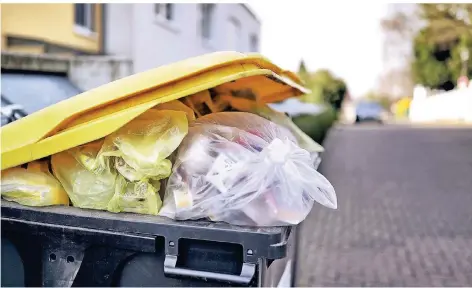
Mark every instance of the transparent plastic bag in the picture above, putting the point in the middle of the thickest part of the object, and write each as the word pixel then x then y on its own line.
pixel 242 169
pixel 34 186
pixel 86 181
pixel 279 118
pixel 143 145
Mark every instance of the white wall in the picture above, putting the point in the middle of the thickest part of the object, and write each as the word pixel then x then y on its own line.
pixel 134 31
pixel 449 106
pixel 118 29
pixel 87 72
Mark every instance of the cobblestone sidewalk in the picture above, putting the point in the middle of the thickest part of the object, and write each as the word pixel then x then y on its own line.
pixel 405 210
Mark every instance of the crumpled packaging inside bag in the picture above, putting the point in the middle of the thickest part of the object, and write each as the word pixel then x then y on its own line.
pixel 242 169
pixel 263 110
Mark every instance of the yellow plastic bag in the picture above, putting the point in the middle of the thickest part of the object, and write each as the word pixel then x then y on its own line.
pixel 138 197
pixel 142 146
pixel 86 181
pixel 177 105
pixel 34 186
pixel 120 173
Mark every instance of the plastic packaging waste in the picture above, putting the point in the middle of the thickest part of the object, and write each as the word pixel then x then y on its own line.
pixel 279 118
pixel 176 105
pixel 242 169
pixel 137 197
pixel 143 145
pixel 121 172
pixel 88 184
pixel 33 186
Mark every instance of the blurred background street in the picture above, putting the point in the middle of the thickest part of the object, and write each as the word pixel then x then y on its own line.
pixel 408 223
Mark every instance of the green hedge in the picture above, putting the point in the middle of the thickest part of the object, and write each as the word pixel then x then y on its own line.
pixel 316 126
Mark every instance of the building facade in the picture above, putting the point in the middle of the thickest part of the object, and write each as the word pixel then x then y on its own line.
pixel 157 34
pixel 150 35
pixel 52 28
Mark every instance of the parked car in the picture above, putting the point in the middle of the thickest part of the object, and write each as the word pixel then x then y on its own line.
pixel 369 111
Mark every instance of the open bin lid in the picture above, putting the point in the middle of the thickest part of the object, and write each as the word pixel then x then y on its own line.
pixel 98 112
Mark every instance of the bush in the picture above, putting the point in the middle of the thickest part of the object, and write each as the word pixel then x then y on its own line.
pixel 316 126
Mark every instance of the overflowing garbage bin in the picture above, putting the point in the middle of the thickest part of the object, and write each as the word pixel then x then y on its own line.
pixel 177 176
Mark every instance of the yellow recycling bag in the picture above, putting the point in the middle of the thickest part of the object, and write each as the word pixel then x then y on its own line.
pixel 86 181
pixel 144 144
pixel 121 172
pixel 34 186
pixel 137 197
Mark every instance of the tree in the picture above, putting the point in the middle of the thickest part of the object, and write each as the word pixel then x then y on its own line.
pixel 326 88
pixel 396 82
pixel 445 22
pixel 324 85
pixel 446 30
pixel 438 65
pixel 429 65
pixel 400 28
pixel 302 71
pixel 396 79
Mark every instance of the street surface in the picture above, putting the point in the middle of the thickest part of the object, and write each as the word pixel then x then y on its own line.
pixel 404 214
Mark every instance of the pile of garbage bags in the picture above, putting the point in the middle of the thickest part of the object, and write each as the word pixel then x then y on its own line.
pixel 245 168
pixel 121 173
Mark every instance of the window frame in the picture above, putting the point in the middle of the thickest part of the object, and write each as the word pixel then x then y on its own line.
pixel 161 16
pixel 254 42
pixel 238 33
pixel 207 11
pixel 162 12
pixel 89 26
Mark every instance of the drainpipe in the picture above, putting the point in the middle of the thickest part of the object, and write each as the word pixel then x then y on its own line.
pixel 104 30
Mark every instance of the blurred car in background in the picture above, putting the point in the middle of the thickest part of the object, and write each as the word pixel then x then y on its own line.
pixel 20 92
pixel 369 111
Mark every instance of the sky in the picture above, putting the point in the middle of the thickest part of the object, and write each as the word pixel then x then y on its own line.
pixel 343 37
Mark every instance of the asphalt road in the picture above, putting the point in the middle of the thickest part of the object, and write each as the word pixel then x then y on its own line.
pixel 404 214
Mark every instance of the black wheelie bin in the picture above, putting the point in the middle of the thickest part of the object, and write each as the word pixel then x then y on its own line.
pixel 68 246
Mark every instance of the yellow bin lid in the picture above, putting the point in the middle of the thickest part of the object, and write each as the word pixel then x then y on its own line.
pixel 98 112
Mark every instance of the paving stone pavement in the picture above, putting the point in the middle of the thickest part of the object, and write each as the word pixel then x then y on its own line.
pixel 404 214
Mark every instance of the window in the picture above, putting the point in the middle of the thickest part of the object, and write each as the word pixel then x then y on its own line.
pixel 206 20
pixel 84 17
pixel 254 43
pixel 233 34
pixel 164 11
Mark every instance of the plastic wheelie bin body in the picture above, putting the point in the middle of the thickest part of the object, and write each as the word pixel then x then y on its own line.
pixel 68 246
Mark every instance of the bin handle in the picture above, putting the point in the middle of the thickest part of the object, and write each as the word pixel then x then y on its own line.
pixel 247 272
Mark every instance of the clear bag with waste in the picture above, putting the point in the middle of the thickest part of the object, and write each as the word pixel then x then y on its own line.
pixel 263 110
pixel 242 169
pixel 33 186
